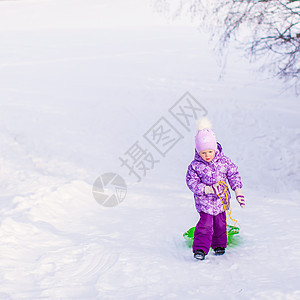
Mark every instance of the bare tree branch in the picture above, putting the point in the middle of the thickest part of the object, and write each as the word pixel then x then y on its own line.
pixel 268 30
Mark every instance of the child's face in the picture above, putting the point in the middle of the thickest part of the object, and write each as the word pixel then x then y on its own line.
pixel 207 155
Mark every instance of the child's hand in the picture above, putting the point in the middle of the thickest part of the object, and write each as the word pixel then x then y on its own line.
pixel 208 190
pixel 241 201
pixel 215 189
pixel 240 197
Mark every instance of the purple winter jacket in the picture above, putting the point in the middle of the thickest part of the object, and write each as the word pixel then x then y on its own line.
pixel 201 173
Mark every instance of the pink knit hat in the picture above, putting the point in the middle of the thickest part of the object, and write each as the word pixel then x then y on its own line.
pixel 205 138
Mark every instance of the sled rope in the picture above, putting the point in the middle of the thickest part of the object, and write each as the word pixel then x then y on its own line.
pixel 228 211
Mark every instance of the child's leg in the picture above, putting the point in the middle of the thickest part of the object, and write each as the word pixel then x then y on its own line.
pixel 203 233
pixel 219 238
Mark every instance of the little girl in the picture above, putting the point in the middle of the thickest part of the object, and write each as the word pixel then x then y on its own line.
pixel 209 167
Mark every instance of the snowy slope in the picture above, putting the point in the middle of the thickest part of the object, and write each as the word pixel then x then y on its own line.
pixel 81 82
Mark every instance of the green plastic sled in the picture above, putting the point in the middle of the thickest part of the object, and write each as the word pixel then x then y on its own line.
pixel 231 241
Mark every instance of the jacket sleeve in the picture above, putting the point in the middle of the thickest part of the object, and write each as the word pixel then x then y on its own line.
pixel 233 176
pixel 193 181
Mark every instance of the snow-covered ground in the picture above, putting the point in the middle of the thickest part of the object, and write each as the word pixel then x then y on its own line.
pixel 81 82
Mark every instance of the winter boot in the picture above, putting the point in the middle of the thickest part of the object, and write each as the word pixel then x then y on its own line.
pixel 199 254
pixel 219 250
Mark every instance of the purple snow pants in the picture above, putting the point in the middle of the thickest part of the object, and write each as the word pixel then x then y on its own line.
pixel 210 232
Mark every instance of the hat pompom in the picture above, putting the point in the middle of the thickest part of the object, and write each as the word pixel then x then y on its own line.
pixel 203 123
